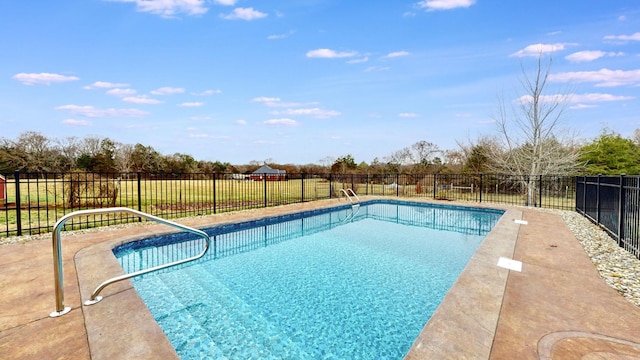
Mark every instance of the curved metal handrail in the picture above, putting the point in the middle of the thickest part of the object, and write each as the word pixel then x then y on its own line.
pixel 57 254
pixel 346 193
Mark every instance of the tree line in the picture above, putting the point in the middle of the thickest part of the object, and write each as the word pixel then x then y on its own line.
pixel 608 154
pixel 529 140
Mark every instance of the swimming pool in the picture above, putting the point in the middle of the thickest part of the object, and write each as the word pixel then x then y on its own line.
pixel 332 283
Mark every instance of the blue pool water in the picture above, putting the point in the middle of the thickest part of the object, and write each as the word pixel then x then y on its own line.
pixel 339 284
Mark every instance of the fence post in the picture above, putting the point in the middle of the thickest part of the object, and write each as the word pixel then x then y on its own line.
pixel 215 175
pixel 16 178
pixel 352 186
pixel 540 191
pixel 435 186
pixel 598 200
pixel 302 195
pixel 367 187
pixel 139 195
pixel 330 186
pixel 264 181
pixel 397 185
pixel 480 188
pixel 584 194
pixel 621 211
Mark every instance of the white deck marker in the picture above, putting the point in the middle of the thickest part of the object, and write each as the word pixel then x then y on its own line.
pixel 510 264
pixel 522 222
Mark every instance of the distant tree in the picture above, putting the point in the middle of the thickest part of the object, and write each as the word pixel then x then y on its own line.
pixel 327 161
pixel 145 159
pixel 397 161
pixel 31 151
pixel 343 164
pixel 69 149
pixel 477 155
pixel 422 155
pixel 211 167
pixel 105 159
pixel 532 142
pixel 123 160
pixel 453 160
pixel 611 154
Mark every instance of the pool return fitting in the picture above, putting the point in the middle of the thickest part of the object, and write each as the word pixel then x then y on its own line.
pixel 57 254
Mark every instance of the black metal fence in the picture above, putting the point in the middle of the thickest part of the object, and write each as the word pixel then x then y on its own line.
pixel 31 203
pixel 612 202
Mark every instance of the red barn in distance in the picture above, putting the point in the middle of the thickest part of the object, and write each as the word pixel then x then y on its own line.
pixel 268 173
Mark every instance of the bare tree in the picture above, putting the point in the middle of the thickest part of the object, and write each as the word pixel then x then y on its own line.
pixel 530 134
pixel 636 137
pixel 123 157
pixel 423 153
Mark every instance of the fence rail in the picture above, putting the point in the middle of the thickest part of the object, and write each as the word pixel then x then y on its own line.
pixel 31 203
pixel 612 202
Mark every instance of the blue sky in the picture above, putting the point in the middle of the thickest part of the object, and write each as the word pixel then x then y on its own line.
pixel 296 81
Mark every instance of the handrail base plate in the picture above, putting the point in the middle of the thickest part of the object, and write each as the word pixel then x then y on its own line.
pixel 94 301
pixel 60 313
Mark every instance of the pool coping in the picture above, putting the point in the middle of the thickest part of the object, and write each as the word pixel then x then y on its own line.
pixel 133 333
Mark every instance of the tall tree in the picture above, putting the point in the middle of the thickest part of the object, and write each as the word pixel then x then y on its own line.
pixel 530 134
pixel 611 154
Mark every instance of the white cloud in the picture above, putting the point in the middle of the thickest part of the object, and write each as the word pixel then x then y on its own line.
pixel 200 118
pixel 207 136
pixel 582 106
pixel 244 14
pixel 538 49
pixel 241 122
pixel 264 99
pixel 576 98
pixel 120 92
pixel 191 104
pixel 75 122
pixel 397 54
pixel 225 2
pixel 280 36
pixel 356 61
pixel 590 55
pixel 105 85
pixel 315 112
pixel 142 99
pixel 90 111
pixel 432 5
pixel 376 68
pixel 408 115
pixel 284 122
pixel 169 8
pixel 42 78
pixel 601 78
pixel 632 37
pixel 167 90
pixel 276 102
pixel 207 93
pixel 329 54
pixel 596 97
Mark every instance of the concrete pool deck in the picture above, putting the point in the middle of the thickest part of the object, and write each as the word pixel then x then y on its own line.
pixel 557 307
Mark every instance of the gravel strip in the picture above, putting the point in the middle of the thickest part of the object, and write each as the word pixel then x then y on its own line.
pixel 618 267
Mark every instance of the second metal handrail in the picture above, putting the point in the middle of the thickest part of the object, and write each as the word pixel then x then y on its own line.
pixel 346 193
pixel 57 255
